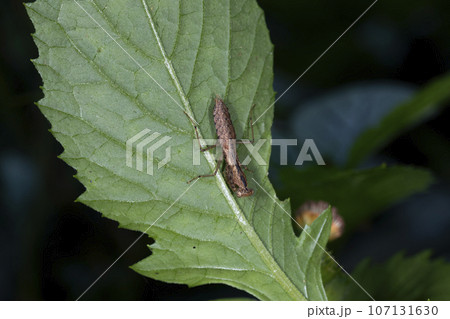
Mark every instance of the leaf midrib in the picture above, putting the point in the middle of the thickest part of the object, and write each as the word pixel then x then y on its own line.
pixel 277 273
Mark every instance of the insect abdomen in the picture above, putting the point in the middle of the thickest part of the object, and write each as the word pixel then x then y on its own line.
pixel 222 121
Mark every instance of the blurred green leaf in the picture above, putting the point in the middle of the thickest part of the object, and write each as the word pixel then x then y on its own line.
pixel 114 68
pixel 335 120
pixel 425 103
pixel 358 194
pixel 415 278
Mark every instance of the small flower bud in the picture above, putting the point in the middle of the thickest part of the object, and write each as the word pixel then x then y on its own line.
pixel 310 210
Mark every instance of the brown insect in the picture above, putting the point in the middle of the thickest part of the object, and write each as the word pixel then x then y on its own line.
pixel 234 174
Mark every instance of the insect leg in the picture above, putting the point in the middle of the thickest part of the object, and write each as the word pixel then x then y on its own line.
pixel 246 168
pixel 219 163
pixel 207 148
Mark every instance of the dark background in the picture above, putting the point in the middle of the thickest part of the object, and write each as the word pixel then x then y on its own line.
pixel 52 248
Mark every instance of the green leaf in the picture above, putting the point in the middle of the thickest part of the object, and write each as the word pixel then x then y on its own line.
pixel 415 278
pixel 357 194
pixel 114 68
pixel 334 120
pixel 421 106
pixel 311 245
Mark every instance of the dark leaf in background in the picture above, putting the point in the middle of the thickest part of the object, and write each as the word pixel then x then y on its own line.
pixel 336 119
pixel 402 278
pixel 358 194
pixel 412 112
